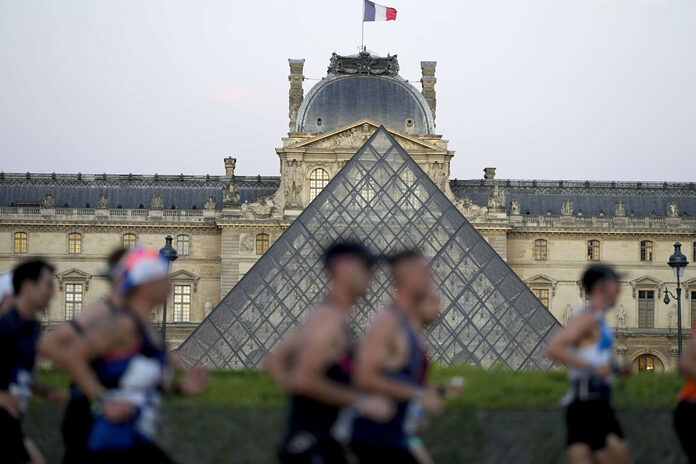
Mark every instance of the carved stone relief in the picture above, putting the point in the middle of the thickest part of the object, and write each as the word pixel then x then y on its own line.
pixel 103 201
pixel 567 208
pixel 48 201
pixel 157 202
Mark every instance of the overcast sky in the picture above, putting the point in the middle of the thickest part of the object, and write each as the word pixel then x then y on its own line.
pixel 546 89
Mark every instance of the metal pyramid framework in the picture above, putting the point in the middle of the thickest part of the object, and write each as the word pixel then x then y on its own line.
pixel 382 197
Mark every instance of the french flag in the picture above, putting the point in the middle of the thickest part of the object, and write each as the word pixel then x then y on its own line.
pixel 375 12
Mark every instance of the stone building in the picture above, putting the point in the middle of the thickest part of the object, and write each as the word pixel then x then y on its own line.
pixel 546 231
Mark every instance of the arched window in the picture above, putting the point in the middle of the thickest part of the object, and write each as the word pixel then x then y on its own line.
pixel 317 181
pixel 74 243
pixel 646 250
pixel 646 363
pixel 593 250
pixel 262 243
pixel 128 240
pixel 182 244
pixel 540 250
pixel 20 242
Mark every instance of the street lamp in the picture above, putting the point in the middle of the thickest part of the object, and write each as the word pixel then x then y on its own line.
pixel 678 263
pixel 168 252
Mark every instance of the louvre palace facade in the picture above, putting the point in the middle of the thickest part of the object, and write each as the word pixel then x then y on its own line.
pixel 542 233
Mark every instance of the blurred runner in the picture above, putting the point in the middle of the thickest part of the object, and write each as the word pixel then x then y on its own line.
pixel 19 332
pixel 685 414
pixel 60 344
pixel 392 360
pixel 121 366
pixel 6 292
pixel 586 346
pixel 314 363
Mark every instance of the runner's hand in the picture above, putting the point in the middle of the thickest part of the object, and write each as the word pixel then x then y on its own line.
pixel 603 371
pixel 118 411
pixel 432 401
pixel 195 380
pixel 378 408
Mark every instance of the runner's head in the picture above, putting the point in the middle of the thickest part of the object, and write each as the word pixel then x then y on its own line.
pixel 32 282
pixel 429 308
pixel 143 274
pixel 349 265
pixel 411 272
pixel 601 284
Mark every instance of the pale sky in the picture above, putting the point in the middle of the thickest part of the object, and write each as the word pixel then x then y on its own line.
pixel 545 89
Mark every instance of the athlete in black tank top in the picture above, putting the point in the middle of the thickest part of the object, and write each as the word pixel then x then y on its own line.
pixel 313 364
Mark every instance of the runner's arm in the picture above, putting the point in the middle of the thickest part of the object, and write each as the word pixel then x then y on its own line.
pixel 371 355
pixel 307 377
pixel 571 335
pixel 278 361
pixel 101 335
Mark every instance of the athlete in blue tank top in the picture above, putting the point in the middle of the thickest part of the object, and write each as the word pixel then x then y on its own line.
pixel 19 334
pixel 392 360
pixel 586 346
pixel 121 365
pixel 61 343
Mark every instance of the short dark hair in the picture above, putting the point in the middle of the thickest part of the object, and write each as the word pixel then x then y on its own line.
pixel 343 248
pixel 29 270
pixel 112 261
pixel 595 274
pixel 400 257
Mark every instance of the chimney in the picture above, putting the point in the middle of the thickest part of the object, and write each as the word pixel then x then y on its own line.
pixel 428 82
pixel 296 93
pixel 489 173
pixel 229 166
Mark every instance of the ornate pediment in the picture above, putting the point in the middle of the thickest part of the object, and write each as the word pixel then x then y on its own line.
pixel 542 280
pixel 73 275
pixel 184 276
pixel 646 281
pixel 356 134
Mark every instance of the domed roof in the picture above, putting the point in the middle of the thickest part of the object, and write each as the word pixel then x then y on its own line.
pixel 364 87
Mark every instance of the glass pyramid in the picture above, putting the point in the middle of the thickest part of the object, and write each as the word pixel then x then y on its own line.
pixel 383 198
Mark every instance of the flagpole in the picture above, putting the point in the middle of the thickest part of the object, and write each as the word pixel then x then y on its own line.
pixel 362 27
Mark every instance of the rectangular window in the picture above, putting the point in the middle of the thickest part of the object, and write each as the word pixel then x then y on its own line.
pixel 646 309
pixel 74 244
pixel 693 308
pixel 182 303
pixel 543 295
pixel 73 300
pixel 20 242
pixel 540 250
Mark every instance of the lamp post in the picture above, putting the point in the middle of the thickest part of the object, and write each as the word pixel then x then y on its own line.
pixel 678 263
pixel 167 252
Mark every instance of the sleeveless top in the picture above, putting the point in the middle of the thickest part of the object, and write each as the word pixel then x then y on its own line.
pixel 396 432
pixel 18 338
pixel 137 376
pixel 584 385
pixel 310 415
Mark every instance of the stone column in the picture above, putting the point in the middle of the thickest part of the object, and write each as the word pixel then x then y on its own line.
pixel 428 82
pixel 296 93
pixel 230 163
pixel 229 260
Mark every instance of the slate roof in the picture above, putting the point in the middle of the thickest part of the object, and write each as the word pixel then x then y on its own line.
pixel 536 197
pixel 127 190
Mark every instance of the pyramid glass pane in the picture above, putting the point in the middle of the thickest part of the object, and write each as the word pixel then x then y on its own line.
pixel 383 198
